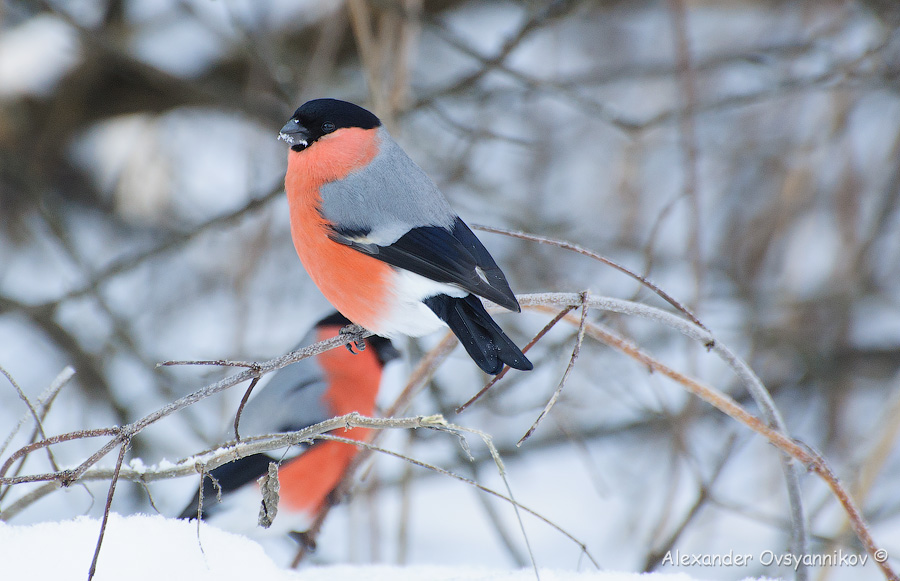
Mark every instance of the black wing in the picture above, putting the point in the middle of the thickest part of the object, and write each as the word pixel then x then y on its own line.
pixel 454 256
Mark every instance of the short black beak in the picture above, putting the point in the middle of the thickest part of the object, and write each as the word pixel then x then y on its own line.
pixel 294 135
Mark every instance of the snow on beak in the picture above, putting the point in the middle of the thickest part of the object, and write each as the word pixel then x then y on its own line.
pixel 294 135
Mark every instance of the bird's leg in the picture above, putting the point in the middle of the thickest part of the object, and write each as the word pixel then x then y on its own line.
pixel 353 329
pixel 306 541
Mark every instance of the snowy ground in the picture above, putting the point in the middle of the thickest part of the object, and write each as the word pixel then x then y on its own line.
pixel 152 547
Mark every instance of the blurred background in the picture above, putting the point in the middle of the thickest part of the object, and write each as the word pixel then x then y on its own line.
pixel 744 154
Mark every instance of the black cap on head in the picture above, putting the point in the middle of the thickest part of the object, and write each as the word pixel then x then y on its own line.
pixel 341 113
pixel 322 116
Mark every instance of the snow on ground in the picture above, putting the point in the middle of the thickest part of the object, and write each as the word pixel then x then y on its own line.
pixel 444 573
pixel 152 547
pixel 134 547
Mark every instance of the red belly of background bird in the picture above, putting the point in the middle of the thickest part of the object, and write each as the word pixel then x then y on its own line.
pixel 354 381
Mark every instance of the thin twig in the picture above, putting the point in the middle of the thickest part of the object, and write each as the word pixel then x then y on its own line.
pixel 210 362
pixel 465 459
pixel 108 507
pixel 34 414
pixel 688 134
pixel 134 428
pixel 240 410
pixel 506 368
pixel 501 470
pixel 52 440
pixel 656 556
pixel 45 400
pixel 811 459
pixel 232 450
pixel 173 242
pixel 428 364
pixel 43 404
pixel 404 492
pixel 562 382
pixel 430 422
pixel 589 253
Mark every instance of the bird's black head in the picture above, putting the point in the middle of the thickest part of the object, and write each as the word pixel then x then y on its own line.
pixel 323 116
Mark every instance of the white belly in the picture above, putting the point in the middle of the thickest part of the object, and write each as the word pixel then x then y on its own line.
pixel 408 315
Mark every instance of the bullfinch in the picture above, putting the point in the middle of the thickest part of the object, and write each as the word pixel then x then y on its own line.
pixel 380 241
pixel 312 390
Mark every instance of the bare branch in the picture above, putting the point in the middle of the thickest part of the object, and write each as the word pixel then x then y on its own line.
pixel 688 136
pixel 591 254
pixel 579 339
pixel 237 416
pixel 126 432
pixel 172 243
pixel 811 459
pixel 44 401
pixel 31 410
pixel 107 508
pixel 428 364
pixel 724 403
pixel 656 556
pixel 441 425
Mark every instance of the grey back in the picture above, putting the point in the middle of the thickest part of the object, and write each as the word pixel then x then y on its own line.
pixel 386 199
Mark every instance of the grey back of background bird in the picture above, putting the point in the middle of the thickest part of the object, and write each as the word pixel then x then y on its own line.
pixel 292 400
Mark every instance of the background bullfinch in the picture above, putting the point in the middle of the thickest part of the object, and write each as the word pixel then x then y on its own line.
pixel 380 241
pixel 312 390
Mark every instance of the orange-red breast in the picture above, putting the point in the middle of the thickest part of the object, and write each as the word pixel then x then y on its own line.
pixel 380 241
pixel 312 390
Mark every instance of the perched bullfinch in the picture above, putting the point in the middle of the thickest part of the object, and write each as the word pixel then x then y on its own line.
pixel 312 390
pixel 380 241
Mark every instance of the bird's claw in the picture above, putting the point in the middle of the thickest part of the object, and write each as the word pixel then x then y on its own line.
pixel 359 343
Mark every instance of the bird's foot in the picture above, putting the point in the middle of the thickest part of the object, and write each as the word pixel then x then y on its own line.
pixel 359 343
pixel 305 539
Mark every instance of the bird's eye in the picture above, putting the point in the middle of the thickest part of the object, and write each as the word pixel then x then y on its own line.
pixel 327 127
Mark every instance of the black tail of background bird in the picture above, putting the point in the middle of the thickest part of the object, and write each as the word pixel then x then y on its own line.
pixel 227 477
pixel 483 339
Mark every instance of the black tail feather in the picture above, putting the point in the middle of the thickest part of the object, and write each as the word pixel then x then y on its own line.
pixel 483 339
pixel 228 477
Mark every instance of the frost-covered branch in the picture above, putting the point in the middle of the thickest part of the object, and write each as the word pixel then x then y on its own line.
pixel 122 436
pixel 811 459
pixel 126 433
